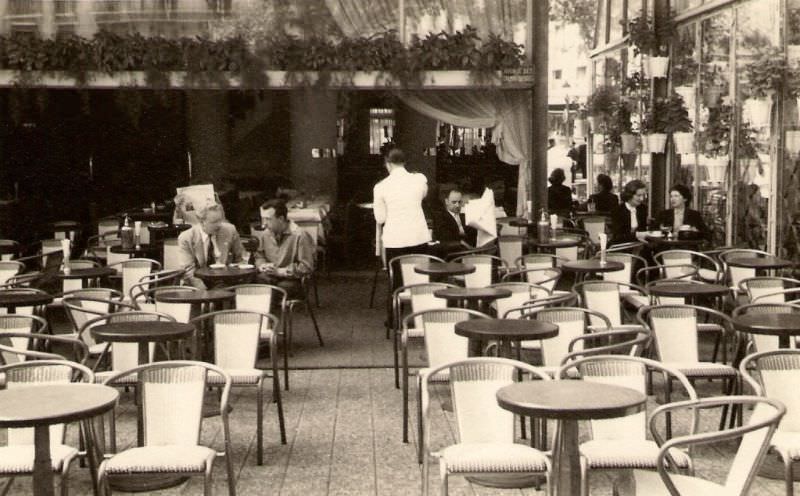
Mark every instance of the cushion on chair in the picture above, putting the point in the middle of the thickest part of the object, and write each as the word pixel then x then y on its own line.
pixel 707 274
pixel 650 483
pixel 626 453
pixel 160 459
pixel 19 459
pixel 489 457
pixel 704 369
pixel 239 377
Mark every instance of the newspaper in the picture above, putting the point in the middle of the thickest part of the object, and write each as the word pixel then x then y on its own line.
pixel 480 214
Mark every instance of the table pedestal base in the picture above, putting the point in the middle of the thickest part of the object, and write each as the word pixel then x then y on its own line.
pixel 509 481
pixel 772 468
pixel 145 482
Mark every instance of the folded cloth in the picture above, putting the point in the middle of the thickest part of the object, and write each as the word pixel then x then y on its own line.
pixel 480 214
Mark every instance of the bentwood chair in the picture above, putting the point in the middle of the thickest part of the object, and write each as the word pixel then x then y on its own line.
pixel 755 436
pixel 9 249
pixel 145 299
pixel 9 269
pixel 86 304
pixel 22 325
pixel 538 261
pixel 769 289
pixel 630 265
pixel 442 345
pixel 171 254
pixel 170 412
pixel 25 346
pixel 709 269
pixel 236 334
pixel 774 374
pixel 485 432
pixel 621 443
pixel 133 270
pixel 521 293
pixel 510 248
pixel 17 456
pixel 265 298
pixel 401 273
pixel 735 275
pixel 547 277
pixel 488 269
pixel 675 341
pixel 421 298
pixel 634 247
pixel 607 297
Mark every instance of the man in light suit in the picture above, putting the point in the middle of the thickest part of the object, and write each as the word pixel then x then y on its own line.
pixel 211 241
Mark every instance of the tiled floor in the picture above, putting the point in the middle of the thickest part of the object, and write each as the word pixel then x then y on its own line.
pixel 344 424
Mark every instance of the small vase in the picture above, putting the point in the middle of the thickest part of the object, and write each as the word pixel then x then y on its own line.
pixel 656 142
pixel 628 143
pixel 684 142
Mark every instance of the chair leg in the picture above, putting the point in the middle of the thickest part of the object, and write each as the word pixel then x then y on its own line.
pixel 260 425
pixel 314 320
pixel 584 477
pixel 316 290
pixel 396 360
pixel 276 386
pixel 788 476
pixel 374 287
pixel 419 419
pixel 444 491
pixel 404 378
pixel 668 399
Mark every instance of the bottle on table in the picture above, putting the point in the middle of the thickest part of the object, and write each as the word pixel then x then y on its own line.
pixel 126 234
pixel 543 227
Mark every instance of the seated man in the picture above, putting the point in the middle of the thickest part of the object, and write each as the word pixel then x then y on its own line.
pixel 285 251
pixel 211 241
pixel 449 226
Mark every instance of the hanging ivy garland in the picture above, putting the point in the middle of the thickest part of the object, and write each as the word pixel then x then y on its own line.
pixel 207 61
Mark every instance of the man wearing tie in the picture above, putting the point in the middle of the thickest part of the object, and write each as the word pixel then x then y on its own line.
pixel 449 225
pixel 211 241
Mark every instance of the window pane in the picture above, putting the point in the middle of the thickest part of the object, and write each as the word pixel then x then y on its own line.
pixel 615 23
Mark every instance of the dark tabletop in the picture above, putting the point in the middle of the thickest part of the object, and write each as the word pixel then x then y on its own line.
pixel 145 248
pixel 141 331
pixel 508 220
pixel 570 400
pixel 770 324
pixel 759 262
pixel 64 226
pixel 521 223
pixel 592 265
pixel 559 242
pixel 515 329
pixel 444 269
pixel 54 404
pixel 8 248
pixel 14 299
pixel 677 289
pixel 90 273
pixel 663 240
pixel 472 293
pixel 210 295
pixel 224 273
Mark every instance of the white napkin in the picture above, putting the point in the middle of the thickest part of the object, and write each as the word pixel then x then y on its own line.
pixel 480 214
pixel 553 222
pixel 137 228
pixel 65 248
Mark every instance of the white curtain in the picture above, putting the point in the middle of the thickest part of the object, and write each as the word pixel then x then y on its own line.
pixel 502 17
pixel 507 112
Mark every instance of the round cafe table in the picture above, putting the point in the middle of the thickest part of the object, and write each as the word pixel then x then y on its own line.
pixel 475 298
pixel 142 251
pixel 227 276
pixel 582 268
pixel 41 406
pixel 568 402
pixel 760 263
pixel 86 275
pixel 442 270
pixel 11 299
pixel 783 325
pixel 659 243
pixel 554 243
pixel 505 332
pixel 688 290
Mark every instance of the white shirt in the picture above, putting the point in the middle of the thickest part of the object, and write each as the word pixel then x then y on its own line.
pixel 397 203
pixel 457 217
pixel 634 220
pixel 206 239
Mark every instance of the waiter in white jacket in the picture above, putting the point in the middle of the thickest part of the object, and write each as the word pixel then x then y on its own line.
pixel 397 203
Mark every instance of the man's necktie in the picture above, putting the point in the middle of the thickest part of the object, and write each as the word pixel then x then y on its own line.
pixel 210 259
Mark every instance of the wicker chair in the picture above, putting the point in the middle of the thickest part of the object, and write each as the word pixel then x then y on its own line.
pixel 547 277
pixel 17 457
pixel 488 269
pixel 485 436
pixel 762 342
pixel 621 443
pixel 769 289
pixel 521 293
pixel 755 436
pixel 606 297
pixel 236 334
pixel 776 378
pixel 133 270
pixel 9 269
pixel 709 269
pixel 25 346
pixel 171 419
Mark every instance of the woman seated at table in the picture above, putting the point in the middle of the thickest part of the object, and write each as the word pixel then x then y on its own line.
pixel 631 216
pixel 680 216
pixel 604 200
pixel 559 197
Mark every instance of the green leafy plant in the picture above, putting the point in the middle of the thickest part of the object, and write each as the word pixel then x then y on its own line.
pixel 676 115
pixel 767 74
pixel 715 131
pixel 648 39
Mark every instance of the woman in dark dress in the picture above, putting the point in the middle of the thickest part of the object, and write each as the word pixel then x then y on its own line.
pixel 559 197
pixel 673 219
pixel 630 217
pixel 604 200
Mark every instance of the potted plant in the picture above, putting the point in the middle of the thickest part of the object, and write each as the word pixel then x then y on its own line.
pixel 713 85
pixel 678 124
pixel 764 77
pixel 651 43
pixel 654 127
pixel 601 107
pixel 715 136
